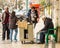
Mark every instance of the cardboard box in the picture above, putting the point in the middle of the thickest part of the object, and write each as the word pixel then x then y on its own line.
pixel 22 24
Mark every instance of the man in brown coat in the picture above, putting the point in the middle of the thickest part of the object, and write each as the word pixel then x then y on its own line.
pixel 5 23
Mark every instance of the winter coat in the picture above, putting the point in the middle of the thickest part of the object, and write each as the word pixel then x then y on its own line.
pixel 12 22
pixel 48 25
pixel 5 17
pixel 29 15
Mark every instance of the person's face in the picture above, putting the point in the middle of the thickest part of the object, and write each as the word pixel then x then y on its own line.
pixel 32 9
pixel 6 9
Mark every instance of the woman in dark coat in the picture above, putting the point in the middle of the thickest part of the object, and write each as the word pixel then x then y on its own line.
pixel 13 26
pixel 33 16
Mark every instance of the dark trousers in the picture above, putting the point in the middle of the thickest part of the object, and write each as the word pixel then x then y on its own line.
pixel 5 29
pixel 34 22
pixel 42 37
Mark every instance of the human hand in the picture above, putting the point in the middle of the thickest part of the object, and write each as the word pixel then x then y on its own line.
pixel 34 16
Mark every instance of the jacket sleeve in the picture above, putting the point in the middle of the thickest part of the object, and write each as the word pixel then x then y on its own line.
pixel 46 26
pixel 16 19
pixel 3 17
pixel 29 12
pixel 37 16
pixel 29 16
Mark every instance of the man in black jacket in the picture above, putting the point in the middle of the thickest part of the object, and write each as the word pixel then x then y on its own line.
pixel 48 25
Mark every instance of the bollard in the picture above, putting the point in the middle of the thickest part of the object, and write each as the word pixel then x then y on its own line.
pixel 51 43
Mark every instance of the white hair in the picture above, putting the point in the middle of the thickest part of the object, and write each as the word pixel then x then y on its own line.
pixel 5 7
pixel 43 16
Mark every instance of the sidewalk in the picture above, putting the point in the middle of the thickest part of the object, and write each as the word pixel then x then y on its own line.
pixel 19 45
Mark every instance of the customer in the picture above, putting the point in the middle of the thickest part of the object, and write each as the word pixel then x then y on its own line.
pixel 5 23
pixel 32 16
pixel 13 26
pixel 48 25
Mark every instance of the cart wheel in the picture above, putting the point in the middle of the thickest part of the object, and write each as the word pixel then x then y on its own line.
pixel 22 42
pixel 32 42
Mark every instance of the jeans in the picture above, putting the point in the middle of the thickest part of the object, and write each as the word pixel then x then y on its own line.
pixel 5 28
pixel 42 36
pixel 15 35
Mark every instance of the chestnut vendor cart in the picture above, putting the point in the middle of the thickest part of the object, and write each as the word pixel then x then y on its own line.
pixel 29 29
